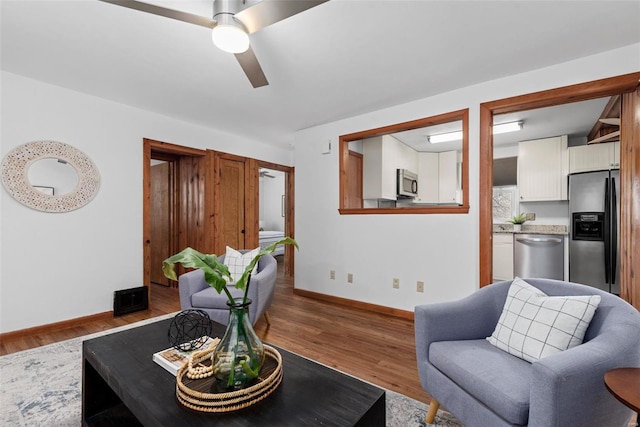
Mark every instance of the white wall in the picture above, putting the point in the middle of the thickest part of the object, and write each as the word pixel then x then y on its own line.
pixel 61 266
pixel 441 250
pixel 547 213
pixel 271 192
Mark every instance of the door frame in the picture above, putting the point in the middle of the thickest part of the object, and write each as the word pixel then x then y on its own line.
pixel 289 201
pixel 626 85
pixel 252 203
pixel 174 202
pixel 208 158
pixel 150 148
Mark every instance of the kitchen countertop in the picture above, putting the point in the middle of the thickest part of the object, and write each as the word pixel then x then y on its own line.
pixel 560 230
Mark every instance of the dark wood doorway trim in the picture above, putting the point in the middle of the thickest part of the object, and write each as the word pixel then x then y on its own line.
pixel 344 140
pixel 165 209
pixel 199 182
pixel 629 167
pixel 289 201
pixel 192 162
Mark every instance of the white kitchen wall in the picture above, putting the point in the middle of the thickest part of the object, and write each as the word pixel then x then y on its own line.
pixel 547 213
pixel 59 266
pixel 502 151
pixel 441 250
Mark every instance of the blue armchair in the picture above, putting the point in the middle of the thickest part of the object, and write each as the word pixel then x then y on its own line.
pixel 195 292
pixel 484 386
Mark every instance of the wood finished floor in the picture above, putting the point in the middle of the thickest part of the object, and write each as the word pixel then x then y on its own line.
pixel 374 347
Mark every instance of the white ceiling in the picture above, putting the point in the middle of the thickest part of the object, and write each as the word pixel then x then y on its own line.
pixel 339 59
pixel 575 120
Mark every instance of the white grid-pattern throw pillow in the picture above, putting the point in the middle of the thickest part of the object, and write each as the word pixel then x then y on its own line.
pixel 533 325
pixel 236 261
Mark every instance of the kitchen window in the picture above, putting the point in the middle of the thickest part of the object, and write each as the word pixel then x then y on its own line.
pixel 370 161
pixel 504 203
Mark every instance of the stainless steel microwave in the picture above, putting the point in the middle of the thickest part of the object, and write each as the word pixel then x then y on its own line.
pixel 407 184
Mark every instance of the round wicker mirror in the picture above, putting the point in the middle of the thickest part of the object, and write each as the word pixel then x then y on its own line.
pixel 15 171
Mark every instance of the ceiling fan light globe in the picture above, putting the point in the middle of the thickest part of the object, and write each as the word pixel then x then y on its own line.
pixel 230 38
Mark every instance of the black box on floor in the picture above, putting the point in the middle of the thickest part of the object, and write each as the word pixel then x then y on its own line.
pixel 130 300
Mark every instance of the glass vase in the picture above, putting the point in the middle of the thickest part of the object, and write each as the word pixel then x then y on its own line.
pixel 239 356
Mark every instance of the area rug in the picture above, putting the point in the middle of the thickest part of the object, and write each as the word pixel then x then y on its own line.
pixel 42 387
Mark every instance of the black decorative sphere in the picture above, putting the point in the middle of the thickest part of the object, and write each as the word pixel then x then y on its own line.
pixel 189 330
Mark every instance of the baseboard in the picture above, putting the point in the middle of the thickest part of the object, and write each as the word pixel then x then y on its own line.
pixel 355 304
pixel 58 326
pixel 72 323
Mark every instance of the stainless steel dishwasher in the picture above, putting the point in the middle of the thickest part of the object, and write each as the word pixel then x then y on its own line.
pixel 538 255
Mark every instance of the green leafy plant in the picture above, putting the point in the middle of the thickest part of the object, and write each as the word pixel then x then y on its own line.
pixel 215 272
pixel 518 219
pixel 216 275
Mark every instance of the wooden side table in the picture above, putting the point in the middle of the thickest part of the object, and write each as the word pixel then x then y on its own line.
pixel 624 384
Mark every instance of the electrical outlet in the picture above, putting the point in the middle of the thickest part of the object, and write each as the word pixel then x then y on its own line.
pixel 396 283
pixel 332 275
pixel 349 278
pixel 420 286
pixel 530 216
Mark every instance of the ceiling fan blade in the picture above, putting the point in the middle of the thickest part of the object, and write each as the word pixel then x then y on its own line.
pixel 190 18
pixel 269 12
pixel 252 68
pixel 605 137
pixel 611 121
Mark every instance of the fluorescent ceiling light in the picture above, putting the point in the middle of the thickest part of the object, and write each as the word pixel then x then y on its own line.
pixel 229 35
pixel 444 137
pixel 507 127
pixel 456 136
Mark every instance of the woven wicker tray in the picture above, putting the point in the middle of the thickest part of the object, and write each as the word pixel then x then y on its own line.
pixel 199 395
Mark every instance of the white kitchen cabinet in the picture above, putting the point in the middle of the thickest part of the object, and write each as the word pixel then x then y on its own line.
pixel 382 157
pixel 428 178
pixel 439 177
pixel 594 157
pixel 543 167
pixel 616 155
pixel 502 256
pixel 448 180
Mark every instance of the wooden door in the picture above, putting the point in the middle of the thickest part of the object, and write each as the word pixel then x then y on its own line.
pixel 162 245
pixel 231 198
pixel 354 192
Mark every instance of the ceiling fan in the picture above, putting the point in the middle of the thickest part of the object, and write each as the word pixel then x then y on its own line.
pixel 232 22
pixel 265 173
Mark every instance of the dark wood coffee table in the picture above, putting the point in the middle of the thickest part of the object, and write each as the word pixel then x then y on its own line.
pixel 122 385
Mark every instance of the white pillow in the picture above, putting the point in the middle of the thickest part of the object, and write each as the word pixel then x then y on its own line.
pixel 237 261
pixel 533 325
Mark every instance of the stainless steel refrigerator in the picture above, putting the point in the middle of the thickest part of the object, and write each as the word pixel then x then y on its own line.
pixel 594 249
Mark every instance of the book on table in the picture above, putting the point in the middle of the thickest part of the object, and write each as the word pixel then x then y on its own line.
pixel 173 359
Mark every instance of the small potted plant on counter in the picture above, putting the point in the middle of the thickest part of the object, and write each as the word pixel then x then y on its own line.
pixel 517 221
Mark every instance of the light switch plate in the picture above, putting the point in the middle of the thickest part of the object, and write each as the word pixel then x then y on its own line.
pixel 325 147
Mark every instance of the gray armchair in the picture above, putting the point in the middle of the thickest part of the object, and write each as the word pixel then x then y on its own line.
pixel 195 293
pixel 484 386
